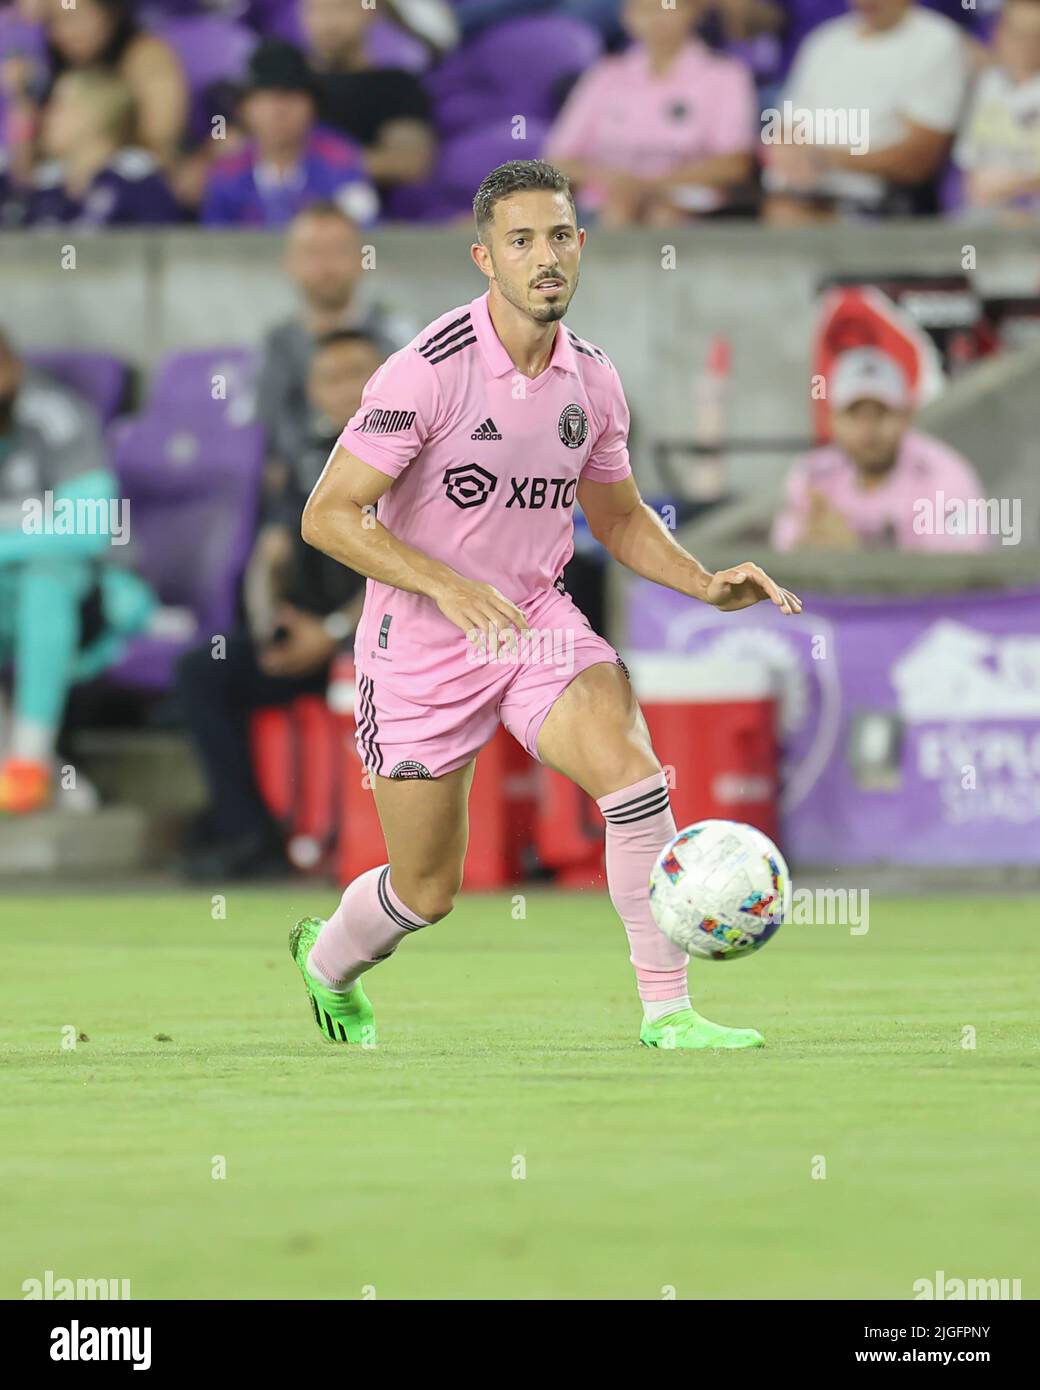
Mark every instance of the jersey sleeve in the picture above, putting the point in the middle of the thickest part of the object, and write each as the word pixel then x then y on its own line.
pixel 399 411
pixel 608 460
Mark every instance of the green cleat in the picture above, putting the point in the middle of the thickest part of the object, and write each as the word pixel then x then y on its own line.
pixel 688 1029
pixel 342 1018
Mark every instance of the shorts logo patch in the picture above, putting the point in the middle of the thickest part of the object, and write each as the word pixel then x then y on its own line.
pixel 468 485
pixel 409 770
pixel 574 426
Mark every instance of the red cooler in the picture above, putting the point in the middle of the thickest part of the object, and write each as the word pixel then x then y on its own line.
pixel 714 729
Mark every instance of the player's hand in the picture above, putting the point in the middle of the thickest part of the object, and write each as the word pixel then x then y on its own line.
pixel 481 611
pixel 743 585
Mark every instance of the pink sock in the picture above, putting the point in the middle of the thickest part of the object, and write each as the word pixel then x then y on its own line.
pixel 639 825
pixel 369 925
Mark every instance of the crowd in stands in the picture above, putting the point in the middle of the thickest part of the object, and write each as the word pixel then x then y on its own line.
pixel 241 112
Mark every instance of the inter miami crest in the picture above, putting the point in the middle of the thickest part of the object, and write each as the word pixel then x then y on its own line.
pixel 574 427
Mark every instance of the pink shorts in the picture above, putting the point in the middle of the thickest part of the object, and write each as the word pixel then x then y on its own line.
pixel 423 712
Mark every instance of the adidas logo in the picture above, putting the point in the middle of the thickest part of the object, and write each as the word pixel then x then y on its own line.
pixel 487 430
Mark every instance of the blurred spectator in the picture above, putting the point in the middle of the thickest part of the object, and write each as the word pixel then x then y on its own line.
pixel 63 613
pixel 384 110
pixel 999 148
pixel 899 74
pixel 288 161
pixel 103 33
pixel 880 479
pixel 323 259
pixel 93 176
pixel 663 129
pixel 301 607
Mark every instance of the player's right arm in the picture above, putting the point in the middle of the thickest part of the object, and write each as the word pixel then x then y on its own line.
pixel 340 520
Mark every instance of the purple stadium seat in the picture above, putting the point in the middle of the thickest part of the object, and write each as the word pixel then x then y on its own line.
pixel 388 46
pixel 101 379
pixel 462 163
pixel 19 36
pixel 211 50
pixel 216 385
pixel 193 491
pixel 522 66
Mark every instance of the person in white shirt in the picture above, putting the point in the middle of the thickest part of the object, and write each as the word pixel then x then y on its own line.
pixel 869 113
pixel 999 147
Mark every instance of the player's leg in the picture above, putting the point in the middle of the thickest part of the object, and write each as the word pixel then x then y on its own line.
pixel 595 734
pixel 426 827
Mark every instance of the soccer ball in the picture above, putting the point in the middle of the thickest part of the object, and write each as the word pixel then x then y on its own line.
pixel 718 889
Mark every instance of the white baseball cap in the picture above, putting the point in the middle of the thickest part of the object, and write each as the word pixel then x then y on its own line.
pixel 866 374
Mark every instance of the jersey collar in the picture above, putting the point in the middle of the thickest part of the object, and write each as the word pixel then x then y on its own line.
pixel 498 359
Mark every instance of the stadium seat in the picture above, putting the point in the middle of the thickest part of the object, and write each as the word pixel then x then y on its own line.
pixel 520 66
pixel 462 163
pixel 193 495
pixel 217 385
pixel 211 50
pixel 387 46
pixel 101 379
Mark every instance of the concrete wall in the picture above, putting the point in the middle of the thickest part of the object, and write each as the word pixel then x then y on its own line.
pixel 141 295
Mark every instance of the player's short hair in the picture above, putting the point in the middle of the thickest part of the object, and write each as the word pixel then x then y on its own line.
pixel 517 176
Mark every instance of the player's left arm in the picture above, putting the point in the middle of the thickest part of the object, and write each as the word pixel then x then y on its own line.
pixel 637 538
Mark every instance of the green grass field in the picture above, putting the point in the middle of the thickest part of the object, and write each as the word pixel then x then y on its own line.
pixel 510 1045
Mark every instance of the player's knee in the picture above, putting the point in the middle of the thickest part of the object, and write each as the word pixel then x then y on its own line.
pixel 430 898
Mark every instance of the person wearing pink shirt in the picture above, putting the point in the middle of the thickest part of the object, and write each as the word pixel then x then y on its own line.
pixel 665 129
pixel 453 490
pixel 880 484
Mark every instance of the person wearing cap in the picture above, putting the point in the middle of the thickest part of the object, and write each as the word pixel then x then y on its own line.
pixel 288 161
pixel 879 483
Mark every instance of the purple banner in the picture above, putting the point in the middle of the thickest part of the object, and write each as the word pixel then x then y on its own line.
pixel 910 727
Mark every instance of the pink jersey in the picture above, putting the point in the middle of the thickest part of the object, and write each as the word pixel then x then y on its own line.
pixel 901 512
pixel 487 463
pixel 623 115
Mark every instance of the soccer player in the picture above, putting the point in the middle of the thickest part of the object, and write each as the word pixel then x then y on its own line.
pixel 452 489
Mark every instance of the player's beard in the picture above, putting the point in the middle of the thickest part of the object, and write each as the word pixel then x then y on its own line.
pixel 543 312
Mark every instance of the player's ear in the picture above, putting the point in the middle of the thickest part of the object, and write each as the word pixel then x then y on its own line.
pixel 482 259
pixel 581 238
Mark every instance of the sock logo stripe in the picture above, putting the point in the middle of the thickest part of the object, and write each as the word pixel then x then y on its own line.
pixel 638 811
pixel 635 801
pixel 388 907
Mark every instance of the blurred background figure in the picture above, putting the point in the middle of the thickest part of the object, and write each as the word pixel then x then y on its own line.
pixel 862 490
pixel 322 259
pixel 93 174
pixel 104 34
pixel 665 129
pixel 63 610
pixel 289 161
pixel 999 147
pixel 904 71
pixel 384 110
pixel 301 607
